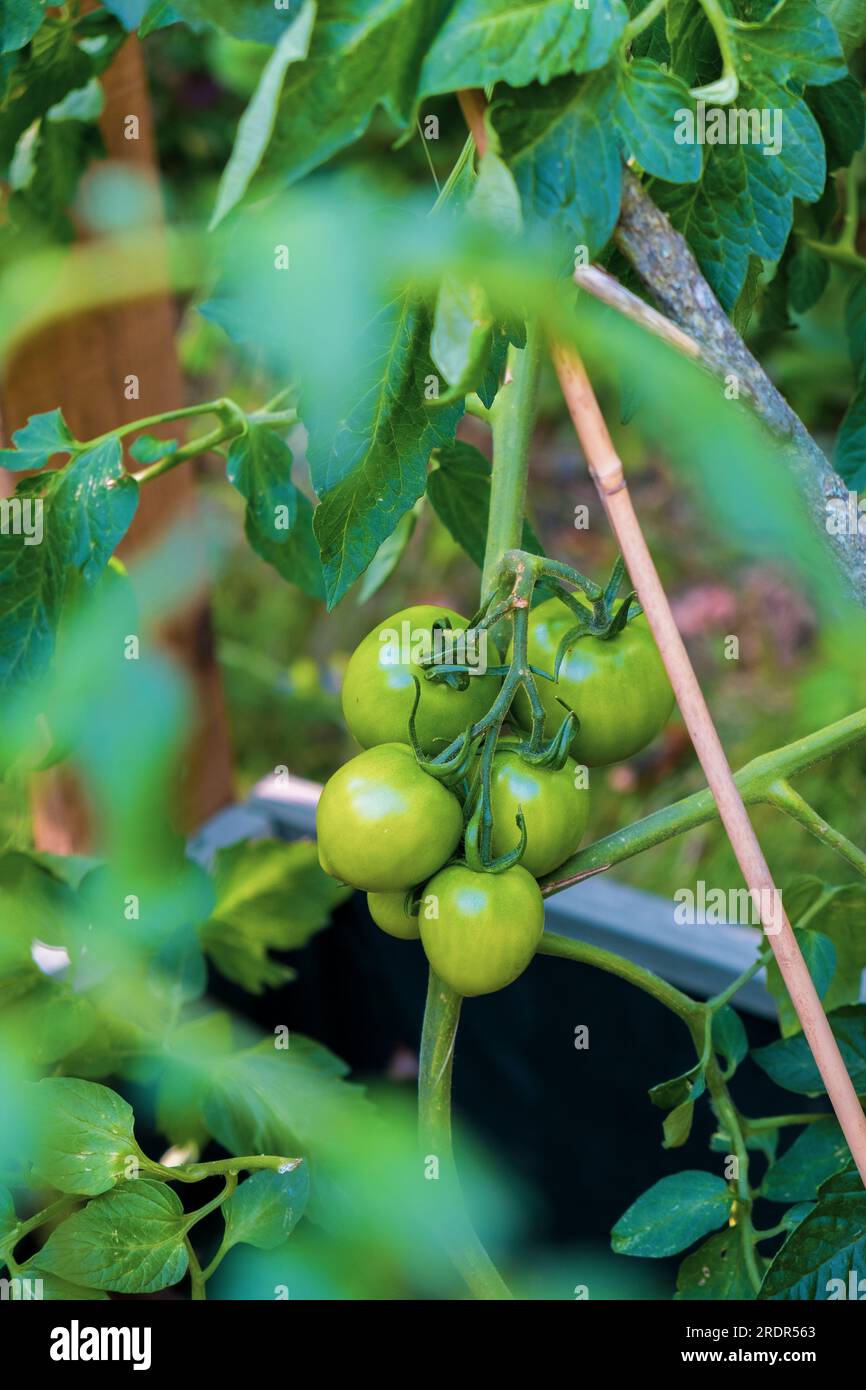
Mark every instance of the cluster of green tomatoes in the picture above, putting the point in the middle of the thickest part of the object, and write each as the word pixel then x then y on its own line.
pixel 401 820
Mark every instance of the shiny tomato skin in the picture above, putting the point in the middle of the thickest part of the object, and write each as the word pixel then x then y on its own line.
pixel 388 911
pixel 618 688
pixel 555 810
pixel 378 689
pixel 383 824
pixel 480 930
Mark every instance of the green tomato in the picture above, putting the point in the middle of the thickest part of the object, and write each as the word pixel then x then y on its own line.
pixel 383 824
pixel 555 811
pixel 379 691
pixel 480 931
pixel 618 688
pixel 388 911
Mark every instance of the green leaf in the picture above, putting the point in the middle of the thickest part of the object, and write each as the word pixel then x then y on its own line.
pixel 35 904
pixel 687 1087
pixel 374 468
pixel 387 557
pixel 486 41
pixel 266 1208
pixel 36 443
pixel 260 467
pixel 129 12
pixel 729 1037
pixel 849 456
pixel 672 1215
pixel 677 1125
pixel 159 15
pixel 258 20
pixel 828 1244
pixel 85 1135
pixel 256 125
pixel 808 277
pixel 462 337
pixel 130 1240
pixel 855 324
pixel 849 20
pixel 55 65
pixel 279 518
pixel 647 103
pixel 377 52
pixel 287 1102
pixel 790 1064
pixel 561 145
pixel 815 1155
pixel 840 110
pixel 794 41
pixel 46 1024
pixel 459 491
pixel 19 20
pixel 148 449
pixel 716 1270
pixel 194 1052
pixel 271 895
pixel 819 954
pixel 494 201
pixel 8 1218
pixel 82 512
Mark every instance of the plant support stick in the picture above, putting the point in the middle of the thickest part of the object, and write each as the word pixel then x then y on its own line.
pixel 607 474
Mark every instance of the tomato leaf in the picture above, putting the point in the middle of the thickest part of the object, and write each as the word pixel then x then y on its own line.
pixel 130 1240
pixel 790 1063
pixel 36 443
pixel 459 491
pixel 815 1155
pixel 85 1135
pixel 256 125
pixel 373 469
pixel 486 41
pixel 716 1270
pixel 672 1215
pixel 266 1208
pixel 270 896
pixel 827 1245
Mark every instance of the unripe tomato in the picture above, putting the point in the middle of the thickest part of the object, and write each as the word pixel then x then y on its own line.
pixel 378 689
pixel 555 811
pixel 487 927
pixel 383 824
pixel 388 911
pixel 618 687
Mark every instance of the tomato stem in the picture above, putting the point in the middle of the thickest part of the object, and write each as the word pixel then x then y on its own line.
pixel 441 1017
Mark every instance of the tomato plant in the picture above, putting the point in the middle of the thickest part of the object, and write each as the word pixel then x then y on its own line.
pixel 425 217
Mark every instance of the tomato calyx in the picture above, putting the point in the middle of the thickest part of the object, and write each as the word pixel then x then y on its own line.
pixel 604 620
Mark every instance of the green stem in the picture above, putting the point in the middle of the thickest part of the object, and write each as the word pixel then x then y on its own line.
pixel 718 22
pixel 441 1016
pixel 58 1208
pixel 851 221
pixel 756 782
pixel 220 1167
pixel 512 419
pixel 200 1213
pixel 838 254
pixel 783 796
pixel 720 1000
pixel 766 1122
pixel 729 1117
pixel 197 1289
pixel 642 21
pixel 201 445
pixel 691 1011
pixel 218 407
